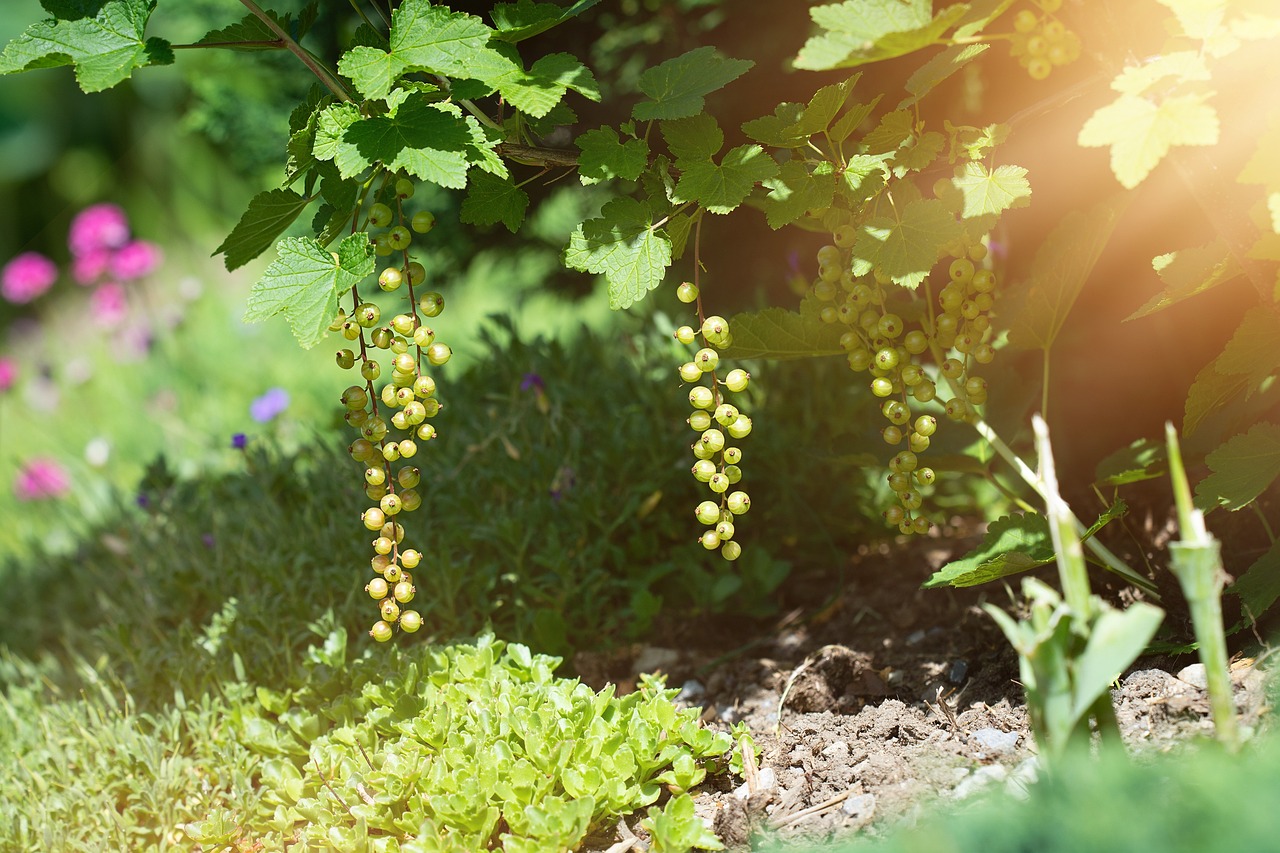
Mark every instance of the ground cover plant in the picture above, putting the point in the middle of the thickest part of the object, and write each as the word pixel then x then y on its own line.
pixel 893 188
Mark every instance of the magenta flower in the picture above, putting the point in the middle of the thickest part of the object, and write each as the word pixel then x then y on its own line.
pixel 107 304
pixel 41 478
pixel 269 405
pixel 8 373
pixel 99 226
pixel 27 276
pixel 89 267
pixel 135 260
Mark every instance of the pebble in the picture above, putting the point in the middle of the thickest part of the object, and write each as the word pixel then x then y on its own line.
pixel 655 659
pixel 915 637
pixel 860 807
pixel 691 692
pixel 994 741
pixel 1194 675
pixel 836 751
pixel 767 778
pixel 958 672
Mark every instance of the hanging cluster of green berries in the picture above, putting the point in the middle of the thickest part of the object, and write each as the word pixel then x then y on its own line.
pixel 957 331
pixel 718 423
pixel 392 412
pixel 1041 42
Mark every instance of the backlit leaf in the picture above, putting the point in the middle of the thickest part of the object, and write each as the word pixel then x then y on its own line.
pixel 1187 273
pixel 303 283
pixel 939 68
pixel 861 31
pixel 904 243
pixel 1140 132
pixel 796 190
pixel 991 192
pixel 269 214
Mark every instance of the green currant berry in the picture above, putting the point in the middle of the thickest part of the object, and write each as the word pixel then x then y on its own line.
pixel 403 323
pixel 707 359
pixel 380 215
pixel 361 450
pixel 920 525
pixel 404 188
pixel 390 610
pixel 423 221
pixel 701 451
pixel 381 338
pixel 740 428
pixel 907 461
pixel 709 540
pixel 916 342
pixel 439 353
pixel 738 503
pixel 375 476
pixel 975 386
pixel 375 493
pixel 373 518
pixel 736 380
pixel 957 409
pixel 925 391
pixel 829 256
pixel 961 270
pixel 390 279
pixel 886 358
pixel 367 315
pixel 686 335
pixel 417 273
pixel 410 558
pixel 410 499
pixel 687 292
pixel 354 397
pixel 714 328
pixel 918 443
pixel 732 455
pixel 891 435
pixel 859 359
pixel 726 413
pixel 424 386
pixel 426 432
pixel 703 470
pixel 381 247
pixel 346 359
pixel 410 620
pixel 952 368
pixel 899 482
pixel 911 375
pixel 890 326
pixel 432 406
pixel 707 512
pixel 824 289
pixel 391 530
pixel 399 238
pixel 374 429
pixel 713 440
pixel 404 592
pixel 731 551
pixel 700 397
pixel 377 589
pixel 690 372
pixel 926 476
pixel 718 483
pixel 1025 21
pixel 390 451
pixel 431 304
pixel 894 515
pixel 383 546
pixel 393 574
pixel 911 499
pixel 370 370
pixel 725 530
pixel 356 419
pixel 380 561
pixel 881 387
pixel 734 473
pixel 381 631
pixel 407 448
pixel 844 236
pixel 699 420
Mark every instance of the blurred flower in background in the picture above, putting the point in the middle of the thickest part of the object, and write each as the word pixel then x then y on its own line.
pixel 8 373
pixel 39 479
pixel 98 227
pixel 27 276
pixel 269 406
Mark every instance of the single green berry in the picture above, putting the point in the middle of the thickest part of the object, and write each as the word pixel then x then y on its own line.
pixel 404 592
pixel 404 188
pixel 431 304
pixel 738 503
pixel 373 518
pixel 707 512
pixel 399 238
pixel 687 292
pixel 439 353
pixel 380 215
pixel 686 335
pixel 690 372
pixel 390 279
pixel 709 540
pixel 346 359
pixel 699 420
pixel 417 273
pixel 377 589
pixel 423 221
pixel 410 620
pixel 732 455
pixel 731 551
pixel 740 428
pixel 380 631
pixel 736 380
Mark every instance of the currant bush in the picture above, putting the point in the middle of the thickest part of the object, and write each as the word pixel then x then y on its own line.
pixel 392 417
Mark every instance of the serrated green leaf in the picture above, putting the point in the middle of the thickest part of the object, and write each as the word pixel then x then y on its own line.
pixel 431 141
pixel 692 139
pixel 436 39
pixel 862 31
pixel 371 70
pixel 104 40
pixel 941 66
pixel 1013 544
pixel 526 18
pixel 269 214
pixel 826 104
pixel 605 156
pixel 1241 469
pixel 1140 132
pixel 905 242
pixel 539 89
pixel 1143 459
pixel 990 193
pixel 894 129
pixel 981 13
pixel 492 199
pixel 1259 586
pixel 331 125
pixel 779 334
pixel 678 87
pixel 796 190
pixel 623 245
pixel 852 120
pixel 719 188
pixel 1209 392
pixel 780 130
pixel 304 281
pixel 918 153
pixel 1062 265
pixel 251 28
pixel 678 229
pixel 1187 273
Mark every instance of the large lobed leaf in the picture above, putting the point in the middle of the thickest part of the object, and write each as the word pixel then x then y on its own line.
pixel 304 282
pixel 1241 469
pixel 1140 132
pixel 904 243
pixel 778 334
pixel 862 31
pixel 678 87
pixel 105 41
pixel 269 214
pixel 624 246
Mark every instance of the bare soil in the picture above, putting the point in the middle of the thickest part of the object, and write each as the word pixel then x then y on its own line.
pixel 871 702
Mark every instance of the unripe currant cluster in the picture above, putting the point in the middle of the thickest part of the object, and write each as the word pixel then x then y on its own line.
pixel 386 443
pixel 956 333
pixel 1040 41
pixel 718 423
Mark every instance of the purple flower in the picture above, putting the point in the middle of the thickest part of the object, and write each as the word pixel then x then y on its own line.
pixel 8 373
pixel 107 304
pixel 41 478
pixel 207 540
pixel 99 226
pixel 269 405
pixel 531 381
pixel 143 500
pixel 135 260
pixel 239 440
pixel 89 267
pixel 27 276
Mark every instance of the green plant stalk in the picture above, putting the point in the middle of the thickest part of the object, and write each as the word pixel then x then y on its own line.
pixel 1197 563
pixel 1063 529
pixel 325 76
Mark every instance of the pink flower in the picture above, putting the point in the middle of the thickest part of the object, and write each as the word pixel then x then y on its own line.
pixel 27 276
pixel 135 260
pixel 8 373
pixel 108 304
pixel 89 267
pixel 41 478
pixel 99 226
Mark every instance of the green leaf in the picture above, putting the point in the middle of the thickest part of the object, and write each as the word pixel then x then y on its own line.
pixel 103 40
pixel 1140 132
pixel 825 105
pixel 904 243
pixel 722 187
pixel 1241 469
pixel 1259 586
pixel 990 193
pixel 1013 544
pixel 678 87
pixel 539 89
pixel 1252 355
pixel 780 130
pixel 525 18
pixel 431 141
pixel 1116 638
pixel 779 334
pixel 1061 267
pixel 795 191
pixel 862 31
pixel 623 245
pixel 1143 459
pixel 939 68
pixel 1187 273
pixel 269 214
pixel 304 282
pixel 371 70
pixel 435 39
pixel 493 199
pixel 606 156
pixel 251 28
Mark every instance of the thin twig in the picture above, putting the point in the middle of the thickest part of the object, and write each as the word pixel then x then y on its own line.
pixel 325 780
pixel 324 75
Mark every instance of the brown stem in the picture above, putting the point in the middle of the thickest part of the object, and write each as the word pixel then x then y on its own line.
pixel 297 50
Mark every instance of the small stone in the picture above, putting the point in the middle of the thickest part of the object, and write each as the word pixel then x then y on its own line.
pixel 655 659
pixel 915 637
pixel 861 807
pixel 837 751
pixel 994 741
pixel 766 780
pixel 958 671
pixel 691 692
pixel 1194 675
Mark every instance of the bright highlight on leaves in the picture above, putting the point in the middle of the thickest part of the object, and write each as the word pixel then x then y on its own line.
pixel 862 31
pixel 1187 273
pixel 105 41
pixel 605 156
pixel 1141 132
pixel 991 192
pixel 905 243
pixel 623 245
pixel 304 282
